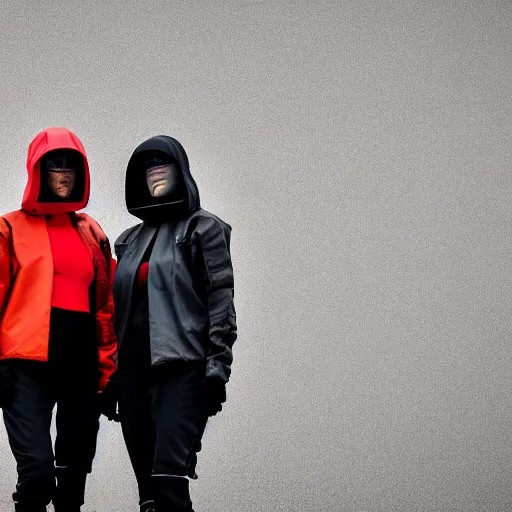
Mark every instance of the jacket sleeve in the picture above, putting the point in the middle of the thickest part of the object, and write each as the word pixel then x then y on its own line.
pixel 105 332
pixel 107 339
pixel 5 264
pixel 214 244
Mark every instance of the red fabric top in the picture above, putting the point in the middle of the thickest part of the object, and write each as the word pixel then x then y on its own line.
pixel 142 276
pixel 72 263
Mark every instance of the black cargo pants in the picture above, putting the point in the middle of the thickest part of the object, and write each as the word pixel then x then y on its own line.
pixel 69 380
pixel 162 420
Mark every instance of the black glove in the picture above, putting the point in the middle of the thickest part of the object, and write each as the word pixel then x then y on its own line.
pixel 109 399
pixel 5 383
pixel 214 395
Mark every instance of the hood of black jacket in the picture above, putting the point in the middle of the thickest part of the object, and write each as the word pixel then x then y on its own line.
pixel 139 201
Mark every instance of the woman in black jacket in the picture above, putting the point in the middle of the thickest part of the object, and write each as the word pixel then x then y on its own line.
pixel 175 321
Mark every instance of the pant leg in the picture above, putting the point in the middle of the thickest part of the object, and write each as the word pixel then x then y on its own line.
pixel 197 448
pixel 27 421
pixel 135 414
pixel 179 422
pixel 74 363
pixel 77 422
pixel 138 429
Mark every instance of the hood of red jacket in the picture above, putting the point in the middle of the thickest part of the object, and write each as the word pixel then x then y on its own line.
pixel 45 141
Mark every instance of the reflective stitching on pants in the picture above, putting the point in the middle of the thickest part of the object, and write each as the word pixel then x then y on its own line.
pixel 146 502
pixel 173 476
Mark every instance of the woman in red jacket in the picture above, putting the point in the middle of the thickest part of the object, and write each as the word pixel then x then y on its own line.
pixel 57 341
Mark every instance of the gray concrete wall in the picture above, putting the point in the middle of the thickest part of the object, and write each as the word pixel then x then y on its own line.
pixel 362 152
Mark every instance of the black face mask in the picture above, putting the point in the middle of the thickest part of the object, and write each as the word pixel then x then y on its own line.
pixel 162 208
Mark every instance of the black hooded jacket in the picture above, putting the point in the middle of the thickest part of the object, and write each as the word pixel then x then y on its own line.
pixel 190 278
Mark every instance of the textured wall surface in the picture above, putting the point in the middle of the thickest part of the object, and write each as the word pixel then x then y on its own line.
pixel 362 152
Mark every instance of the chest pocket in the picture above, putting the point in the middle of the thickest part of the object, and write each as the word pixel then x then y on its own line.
pixel 190 251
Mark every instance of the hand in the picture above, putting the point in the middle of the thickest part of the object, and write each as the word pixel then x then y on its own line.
pixel 214 395
pixel 109 399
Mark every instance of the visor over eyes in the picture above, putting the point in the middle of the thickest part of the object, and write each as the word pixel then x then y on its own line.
pixel 60 161
pixel 156 161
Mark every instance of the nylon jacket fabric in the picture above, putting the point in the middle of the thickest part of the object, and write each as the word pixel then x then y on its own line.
pixel 26 267
pixel 190 277
pixel 45 141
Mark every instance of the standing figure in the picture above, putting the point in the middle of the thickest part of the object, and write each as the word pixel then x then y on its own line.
pixel 57 336
pixel 175 321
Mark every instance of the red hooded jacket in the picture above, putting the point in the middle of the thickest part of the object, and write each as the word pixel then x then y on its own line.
pixel 26 265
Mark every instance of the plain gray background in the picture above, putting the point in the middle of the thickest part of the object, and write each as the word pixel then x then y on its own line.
pixel 361 150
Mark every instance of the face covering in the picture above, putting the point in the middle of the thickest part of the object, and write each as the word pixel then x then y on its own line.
pixel 60 167
pixel 161 176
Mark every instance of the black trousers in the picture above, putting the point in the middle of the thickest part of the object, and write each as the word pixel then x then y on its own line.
pixel 162 422
pixel 69 380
